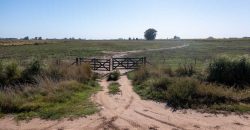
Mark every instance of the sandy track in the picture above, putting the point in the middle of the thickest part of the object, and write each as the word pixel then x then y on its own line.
pixel 124 53
pixel 127 111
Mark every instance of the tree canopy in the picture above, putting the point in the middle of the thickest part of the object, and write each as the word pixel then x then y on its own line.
pixel 150 34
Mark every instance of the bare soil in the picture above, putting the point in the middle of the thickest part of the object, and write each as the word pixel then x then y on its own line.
pixel 127 111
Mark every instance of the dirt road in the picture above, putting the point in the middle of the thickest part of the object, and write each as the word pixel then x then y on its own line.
pixel 124 53
pixel 127 111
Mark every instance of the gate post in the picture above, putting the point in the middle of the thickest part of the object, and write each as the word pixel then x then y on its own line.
pixel 94 63
pixel 109 64
pixel 76 61
pixel 144 61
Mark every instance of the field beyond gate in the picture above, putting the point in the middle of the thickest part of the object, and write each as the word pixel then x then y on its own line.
pixel 112 64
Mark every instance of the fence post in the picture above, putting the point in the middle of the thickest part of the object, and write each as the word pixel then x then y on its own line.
pixel 76 61
pixel 109 64
pixel 94 63
pixel 145 61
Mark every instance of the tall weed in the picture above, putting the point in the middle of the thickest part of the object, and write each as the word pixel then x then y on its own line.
pixel 230 71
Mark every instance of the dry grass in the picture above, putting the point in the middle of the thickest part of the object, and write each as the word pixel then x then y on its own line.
pixel 180 91
pixel 60 90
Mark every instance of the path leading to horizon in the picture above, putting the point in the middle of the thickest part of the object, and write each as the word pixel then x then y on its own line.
pixel 128 111
pixel 125 53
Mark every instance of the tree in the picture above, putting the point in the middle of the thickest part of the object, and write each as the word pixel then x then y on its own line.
pixel 176 38
pixel 40 38
pixel 26 38
pixel 150 34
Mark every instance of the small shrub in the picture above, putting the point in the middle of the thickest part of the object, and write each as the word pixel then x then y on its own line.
pixel 114 76
pixel 82 73
pixel 114 88
pixel 181 93
pixel 141 75
pixel 167 70
pixel 160 84
pixel 185 70
pixel 153 88
pixel 2 78
pixel 158 88
pixel 33 69
pixel 233 72
pixel 55 72
pixel 12 73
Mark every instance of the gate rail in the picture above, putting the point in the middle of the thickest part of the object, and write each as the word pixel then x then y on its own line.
pixel 114 63
pixel 95 64
pixel 128 63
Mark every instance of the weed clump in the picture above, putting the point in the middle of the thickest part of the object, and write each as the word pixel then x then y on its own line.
pixel 114 88
pixel 181 93
pixel 230 71
pixel 33 69
pixel 186 70
pixel 10 74
pixel 114 76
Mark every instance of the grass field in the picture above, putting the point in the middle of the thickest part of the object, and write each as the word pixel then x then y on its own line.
pixel 202 50
pixel 181 77
pixel 152 83
pixel 62 49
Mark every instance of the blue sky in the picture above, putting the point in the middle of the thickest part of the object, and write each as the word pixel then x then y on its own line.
pixel 107 19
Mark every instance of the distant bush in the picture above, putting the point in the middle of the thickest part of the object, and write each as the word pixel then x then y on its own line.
pixel 114 76
pixel 230 71
pixel 185 70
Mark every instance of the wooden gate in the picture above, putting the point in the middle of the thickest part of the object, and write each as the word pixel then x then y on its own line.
pixel 117 63
pixel 128 63
pixel 96 64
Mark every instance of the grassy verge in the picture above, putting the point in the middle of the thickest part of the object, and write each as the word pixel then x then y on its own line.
pixel 188 88
pixel 51 91
pixel 114 88
pixel 50 100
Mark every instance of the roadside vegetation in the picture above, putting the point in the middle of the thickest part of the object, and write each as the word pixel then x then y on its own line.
pixel 46 90
pixel 114 76
pixel 222 85
pixel 114 88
